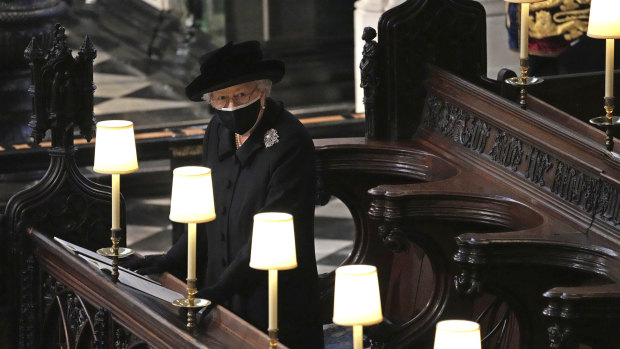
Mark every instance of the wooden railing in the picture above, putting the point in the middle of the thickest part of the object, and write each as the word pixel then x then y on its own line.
pixel 80 307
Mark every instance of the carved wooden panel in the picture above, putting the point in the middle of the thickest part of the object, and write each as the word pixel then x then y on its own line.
pixel 69 321
pixel 448 33
pixel 589 192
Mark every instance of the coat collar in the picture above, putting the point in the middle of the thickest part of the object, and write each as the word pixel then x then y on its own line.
pixel 255 142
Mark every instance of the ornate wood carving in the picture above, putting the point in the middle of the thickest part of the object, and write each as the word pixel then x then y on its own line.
pixel 407 232
pixel 100 326
pixel 538 165
pixel 28 305
pixel 507 151
pixel 62 90
pixel 393 238
pixel 468 282
pixel 584 314
pixel 63 203
pixel 416 32
pixel 458 124
pixel 370 82
pixel 20 21
pixel 76 314
pixel 588 192
pixel 112 315
pixel 70 321
pixel 559 336
pixel 121 338
pixel 506 193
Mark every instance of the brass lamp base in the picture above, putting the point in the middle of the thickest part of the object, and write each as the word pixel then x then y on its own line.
pixel 273 338
pixel 191 304
pixel 520 81
pixel 115 252
pixel 523 81
pixel 109 252
pixel 604 121
pixel 608 124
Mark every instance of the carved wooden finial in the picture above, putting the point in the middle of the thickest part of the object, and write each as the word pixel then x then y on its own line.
pixel 62 90
pixel 88 50
pixel 33 51
pixel 86 55
pixel 370 80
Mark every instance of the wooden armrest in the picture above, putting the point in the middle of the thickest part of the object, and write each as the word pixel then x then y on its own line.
pixel 584 293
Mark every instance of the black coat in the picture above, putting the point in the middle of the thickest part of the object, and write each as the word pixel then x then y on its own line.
pixel 260 178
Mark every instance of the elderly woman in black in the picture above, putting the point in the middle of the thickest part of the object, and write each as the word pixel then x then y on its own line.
pixel 262 160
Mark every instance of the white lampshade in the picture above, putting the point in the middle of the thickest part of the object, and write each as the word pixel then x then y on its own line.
pixel 273 242
pixel 460 334
pixel 604 22
pixel 356 296
pixel 192 195
pixel 115 147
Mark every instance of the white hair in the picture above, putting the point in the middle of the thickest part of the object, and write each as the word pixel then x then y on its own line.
pixel 263 85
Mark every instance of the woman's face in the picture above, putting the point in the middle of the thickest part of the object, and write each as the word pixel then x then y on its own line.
pixel 234 95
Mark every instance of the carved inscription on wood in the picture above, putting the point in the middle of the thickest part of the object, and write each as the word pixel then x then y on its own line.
pixel 589 193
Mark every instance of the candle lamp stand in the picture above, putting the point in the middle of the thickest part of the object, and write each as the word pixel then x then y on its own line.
pixel 191 303
pixel 608 121
pixel 523 81
pixel 191 202
pixel 273 338
pixel 115 154
pixel 115 252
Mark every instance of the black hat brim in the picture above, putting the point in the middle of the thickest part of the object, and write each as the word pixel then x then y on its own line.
pixel 270 69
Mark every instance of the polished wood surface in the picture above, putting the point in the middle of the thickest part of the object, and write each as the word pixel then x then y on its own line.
pixel 155 322
pixel 488 209
pixel 469 206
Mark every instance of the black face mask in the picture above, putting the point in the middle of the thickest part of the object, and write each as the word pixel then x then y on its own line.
pixel 240 119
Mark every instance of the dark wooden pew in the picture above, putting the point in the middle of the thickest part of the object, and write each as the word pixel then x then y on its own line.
pixel 51 298
pixel 471 207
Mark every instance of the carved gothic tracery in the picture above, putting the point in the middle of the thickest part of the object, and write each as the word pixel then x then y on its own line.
pixel 63 202
pixel 100 327
pixel 76 313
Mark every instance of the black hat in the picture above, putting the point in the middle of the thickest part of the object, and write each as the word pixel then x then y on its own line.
pixel 230 65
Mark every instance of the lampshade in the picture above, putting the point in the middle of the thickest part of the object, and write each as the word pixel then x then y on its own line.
pixel 356 296
pixel 115 147
pixel 273 242
pixel 604 22
pixel 192 195
pixel 460 334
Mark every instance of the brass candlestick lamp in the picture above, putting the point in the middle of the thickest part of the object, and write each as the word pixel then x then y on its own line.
pixel 273 249
pixel 523 81
pixel 357 300
pixel 191 202
pixel 115 154
pixel 604 23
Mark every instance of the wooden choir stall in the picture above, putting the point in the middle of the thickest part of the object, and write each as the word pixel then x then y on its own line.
pixel 58 293
pixel 470 206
